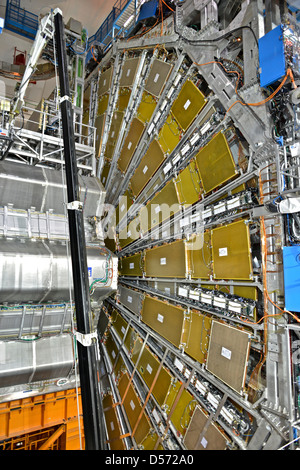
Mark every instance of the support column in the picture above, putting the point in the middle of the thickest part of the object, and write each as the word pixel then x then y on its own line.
pixel 87 354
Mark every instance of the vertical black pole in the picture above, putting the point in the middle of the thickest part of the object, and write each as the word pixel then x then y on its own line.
pixel 87 355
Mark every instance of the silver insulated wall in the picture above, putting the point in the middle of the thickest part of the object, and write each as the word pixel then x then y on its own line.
pixel 36 285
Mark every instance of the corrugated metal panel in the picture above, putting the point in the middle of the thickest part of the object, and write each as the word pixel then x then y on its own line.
pixel 158 76
pixel 202 435
pixel 228 354
pixel 131 299
pixel 231 251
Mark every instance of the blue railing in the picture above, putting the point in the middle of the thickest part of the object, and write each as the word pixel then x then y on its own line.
pixel 19 20
pixel 106 28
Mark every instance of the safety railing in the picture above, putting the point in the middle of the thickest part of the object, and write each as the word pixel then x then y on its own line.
pixel 19 20
pixel 106 28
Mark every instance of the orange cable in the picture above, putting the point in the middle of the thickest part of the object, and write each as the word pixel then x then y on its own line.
pixel 167 6
pixel 260 103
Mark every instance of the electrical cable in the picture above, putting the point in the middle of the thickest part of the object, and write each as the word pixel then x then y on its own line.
pixel 289 73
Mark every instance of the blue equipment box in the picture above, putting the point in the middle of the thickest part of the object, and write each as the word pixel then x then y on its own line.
pixel 291 271
pixel 272 57
pixel 148 10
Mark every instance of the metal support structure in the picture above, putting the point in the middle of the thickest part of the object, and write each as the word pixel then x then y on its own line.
pixel 87 355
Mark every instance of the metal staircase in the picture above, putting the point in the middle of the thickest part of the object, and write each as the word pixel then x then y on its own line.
pixel 115 23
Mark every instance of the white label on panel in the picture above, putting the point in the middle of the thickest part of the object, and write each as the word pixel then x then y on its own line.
pixel 160 318
pixel 156 77
pixel 104 82
pixel 112 427
pixel 129 299
pixel 223 251
pixel 145 169
pixel 131 266
pixel 226 352
pixel 163 261
pixel 129 234
pixel 113 134
pixel 132 405
pixel 113 354
pixel 157 209
pixel 123 329
pixel 149 369
pixel 204 442
pixel 128 73
pixel 129 145
pixel 122 207
pixel 186 104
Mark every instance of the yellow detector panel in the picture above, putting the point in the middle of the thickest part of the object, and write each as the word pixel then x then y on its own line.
pixel 99 124
pixel 137 418
pixel 110 243
pixel 203 434
pixel 112 424
pixel 148 366
pixel 121 325
pixel 184 404
pixel 167 320
pixel 105 171
pixel 158 76
pixel 199 257
pixel 132 139
pixel 188 185
pixel 149 443
pixel 113 133
pixel 125 202
pixel 131 265
pixel 130 233
pixel 102 104
pixel 129 72
pixel 215 163
pixel 117 362
pixel 149 164
pixel 188 104
pixel 166 260
pixel 231 251
pixel 146 108
pixel 123 99
pixel 105 81
pixel 169 135
pixel 196 336
pixel 228 354
pixel 160 208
